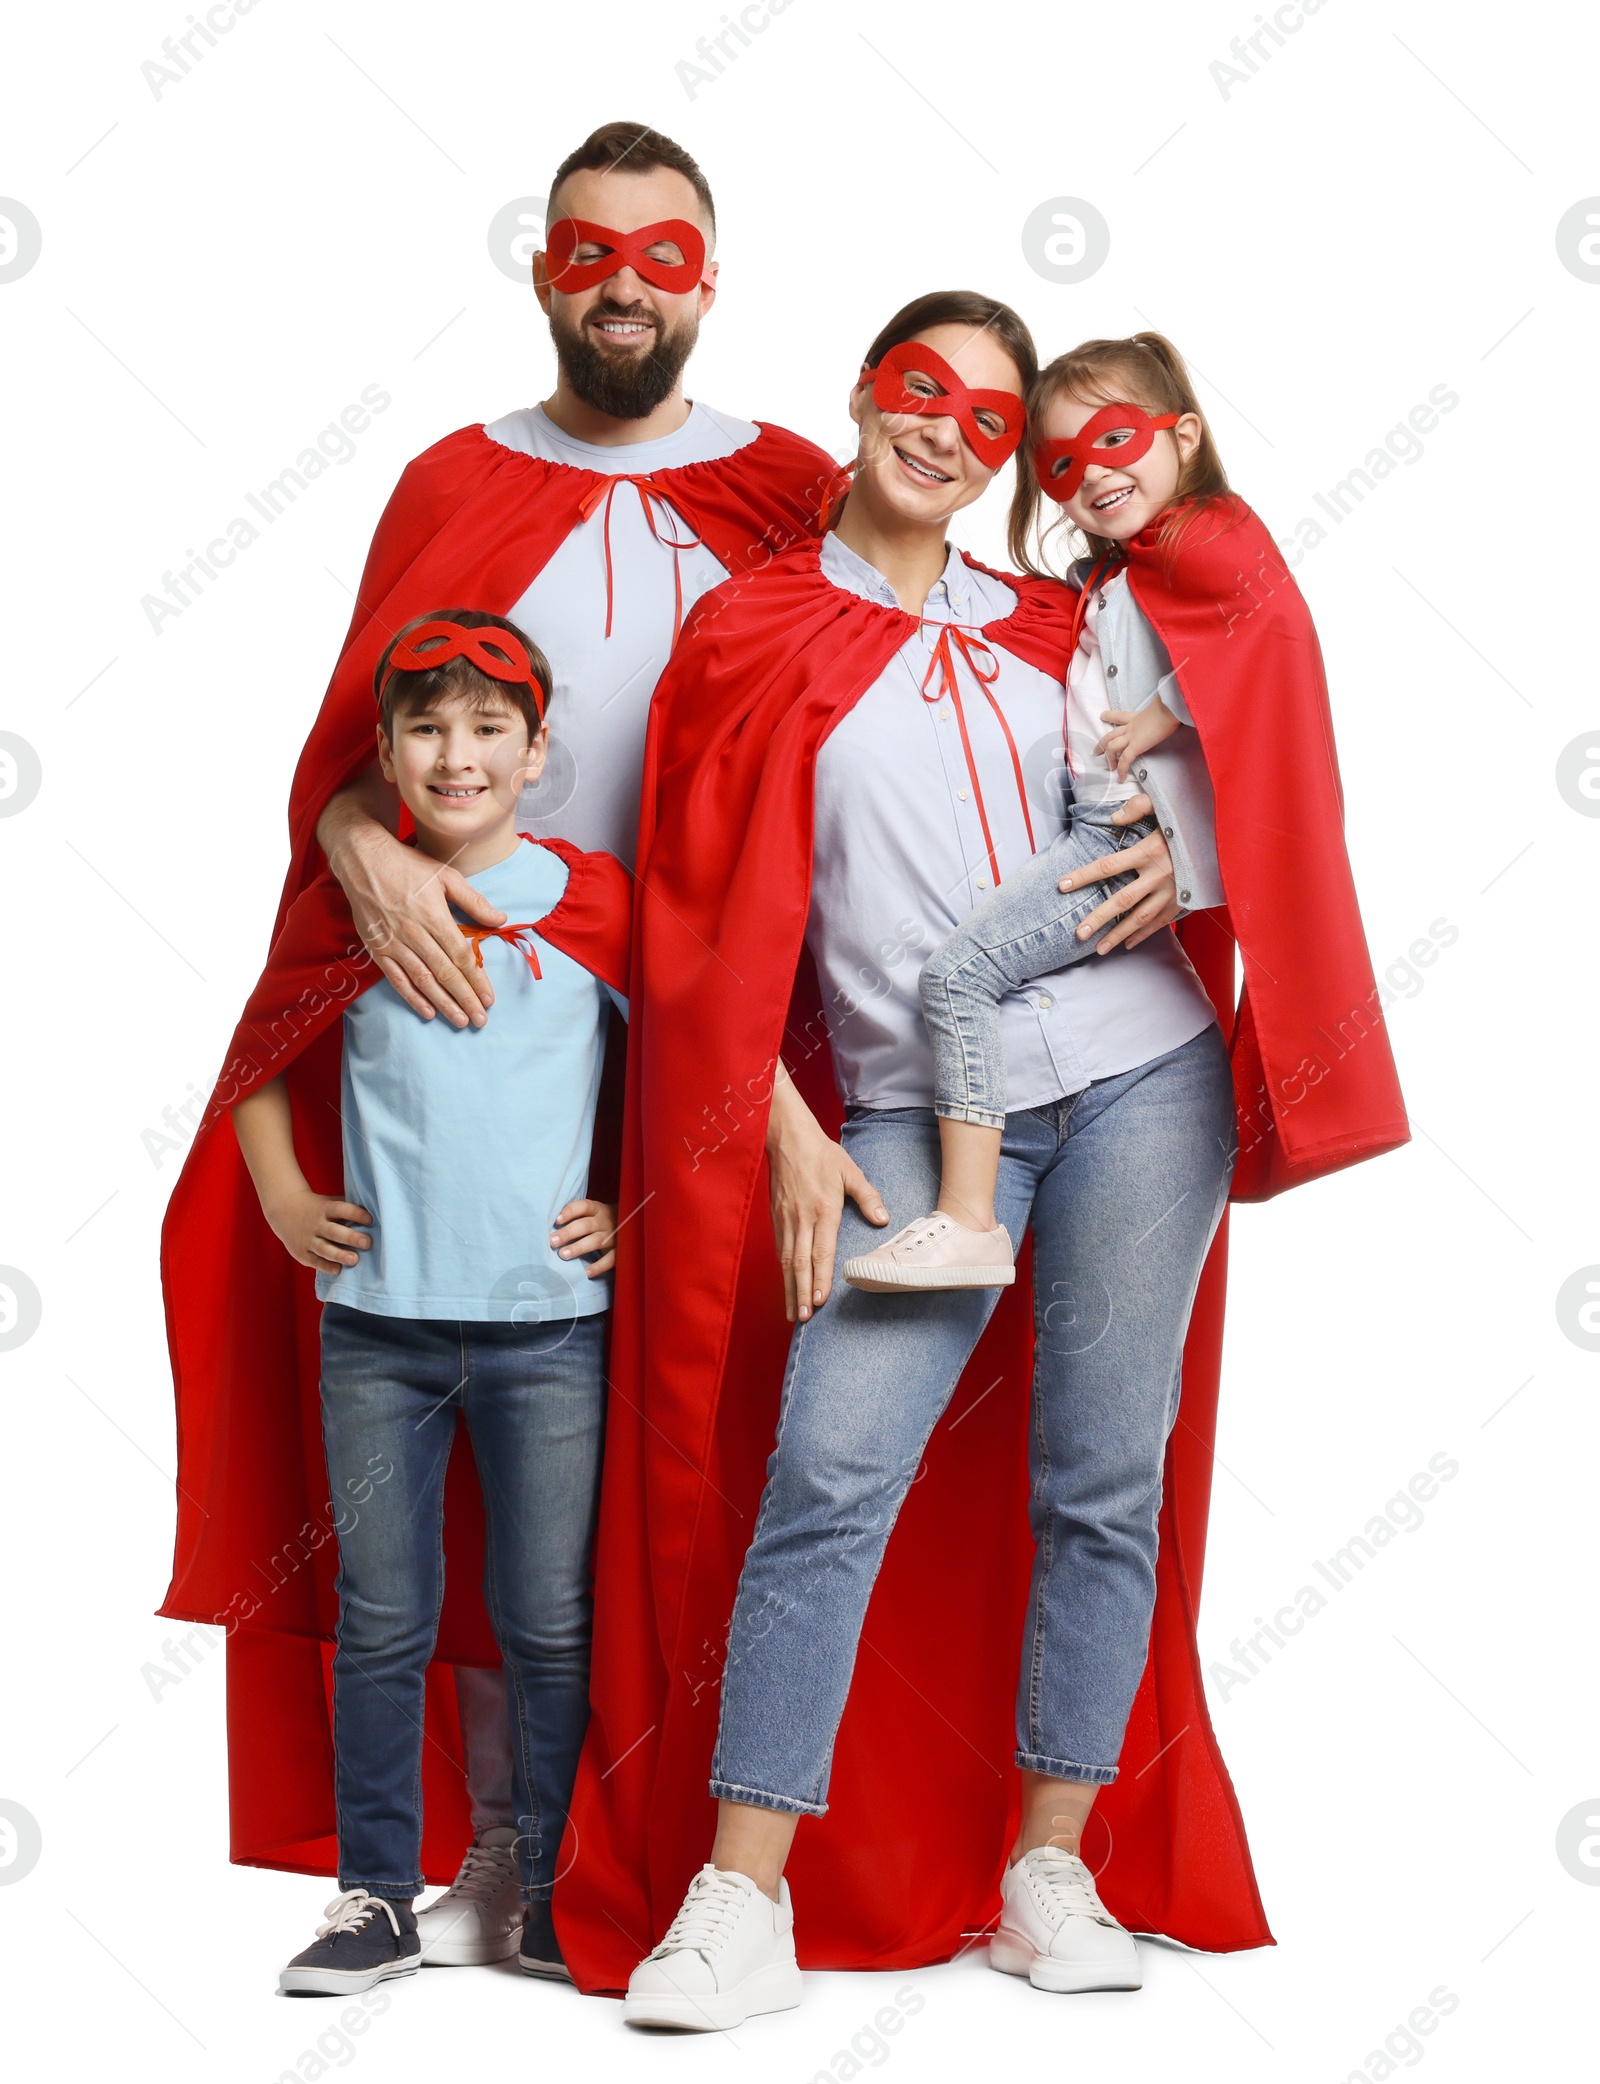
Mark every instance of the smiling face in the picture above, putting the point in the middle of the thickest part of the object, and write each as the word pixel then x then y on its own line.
pixel 622 343
pixel 918 466
pixel 1117 501
pixel 459 765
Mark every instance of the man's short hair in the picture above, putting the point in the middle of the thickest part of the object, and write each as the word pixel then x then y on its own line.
pixel 637 149
pixel 409 692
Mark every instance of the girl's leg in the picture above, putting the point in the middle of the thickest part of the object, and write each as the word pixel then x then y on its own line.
pixel 969 1168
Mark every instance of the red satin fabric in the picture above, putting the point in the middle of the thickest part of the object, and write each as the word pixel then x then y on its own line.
pixel 909 1857
pixel 470 521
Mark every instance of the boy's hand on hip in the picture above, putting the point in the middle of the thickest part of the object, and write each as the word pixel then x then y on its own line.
pixel 587 1226
pixel 319 1233
pixel 1144 906
pixel 401 901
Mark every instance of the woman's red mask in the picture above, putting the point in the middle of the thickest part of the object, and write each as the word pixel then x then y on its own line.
pixel 625 250
pixel 1061 464
pixel 953 402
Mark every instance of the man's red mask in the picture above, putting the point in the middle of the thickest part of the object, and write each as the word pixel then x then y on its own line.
pixel 627 250
pixel 955 402
pixel 1061 464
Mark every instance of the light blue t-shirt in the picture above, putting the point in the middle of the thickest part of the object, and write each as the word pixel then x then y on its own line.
pixel 465 1142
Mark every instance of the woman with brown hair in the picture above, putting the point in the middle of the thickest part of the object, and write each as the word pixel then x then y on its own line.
pixel 839 771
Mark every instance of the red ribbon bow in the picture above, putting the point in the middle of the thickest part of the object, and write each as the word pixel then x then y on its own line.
pixel 511 935
pixel 943 663
pixel 647 489
pixel 1087 446
pixel 624 250
pixel 953 401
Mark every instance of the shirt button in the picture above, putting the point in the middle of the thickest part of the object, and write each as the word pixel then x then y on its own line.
pixel 1166 831
pixel 944 716
pixel 1142 772
pixel 1111 672
pixel 983 882
pixel 1100 600
pixel 1183 897
pixel 961 795
pixel 1044 1005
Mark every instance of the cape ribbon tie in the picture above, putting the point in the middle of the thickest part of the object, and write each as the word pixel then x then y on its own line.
pixel 974 650
pixel 511 935
pixel 647 489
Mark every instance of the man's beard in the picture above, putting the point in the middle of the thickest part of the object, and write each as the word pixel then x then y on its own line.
pixel 625 384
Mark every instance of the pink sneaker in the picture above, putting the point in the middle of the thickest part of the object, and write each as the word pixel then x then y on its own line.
pixel 935 1252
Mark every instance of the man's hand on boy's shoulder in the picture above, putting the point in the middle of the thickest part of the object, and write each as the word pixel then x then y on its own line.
pixel 319 1233
pixel 587 1226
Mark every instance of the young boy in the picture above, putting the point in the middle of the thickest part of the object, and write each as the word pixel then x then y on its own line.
pixel 464 1271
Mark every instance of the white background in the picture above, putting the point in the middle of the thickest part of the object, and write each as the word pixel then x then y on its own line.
pixel 1371 214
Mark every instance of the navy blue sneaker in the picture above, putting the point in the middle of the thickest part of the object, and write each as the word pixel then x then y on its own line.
pixel 362 1940
pixel 540 1953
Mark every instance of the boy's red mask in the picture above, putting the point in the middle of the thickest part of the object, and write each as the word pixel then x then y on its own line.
pixel 1083 448
pixel 628 250
pixel 495 652
pixel 890 394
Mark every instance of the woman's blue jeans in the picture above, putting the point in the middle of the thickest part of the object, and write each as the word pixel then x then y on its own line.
pixel 1123 1184
pixel 534 1400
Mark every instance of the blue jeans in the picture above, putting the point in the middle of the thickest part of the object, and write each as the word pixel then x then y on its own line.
pixel 534 1400
pixel 1025 929
pixel 1124 1184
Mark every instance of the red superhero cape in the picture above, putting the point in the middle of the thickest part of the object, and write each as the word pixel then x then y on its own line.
pixel 254 1549
pixel 908 1859
pixel 471 522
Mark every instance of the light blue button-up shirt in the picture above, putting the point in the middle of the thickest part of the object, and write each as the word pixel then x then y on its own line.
pixel 901 859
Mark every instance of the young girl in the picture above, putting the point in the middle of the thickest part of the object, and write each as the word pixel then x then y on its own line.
pixel 1121 445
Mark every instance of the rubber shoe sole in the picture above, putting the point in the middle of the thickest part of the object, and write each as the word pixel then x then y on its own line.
pixel 342 1982
pixel 470 1953
pixel 552 1971
pixel 1014 1956
pixel 880 1279
pixel 777 1988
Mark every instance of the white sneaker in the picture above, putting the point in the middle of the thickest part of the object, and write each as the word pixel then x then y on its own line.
pixel 728 1953
pixel 1055 1930
pixel 935 1252
pixel 479 1917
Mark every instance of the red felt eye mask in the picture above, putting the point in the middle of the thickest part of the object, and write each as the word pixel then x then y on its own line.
pixel 890 394
pixel 628 250
pixel 1061 464
pixel 493 651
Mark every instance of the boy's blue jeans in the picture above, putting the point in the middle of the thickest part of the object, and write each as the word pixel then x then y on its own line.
pixel 1025 929
pixel 1123 1185
pixel 534 1400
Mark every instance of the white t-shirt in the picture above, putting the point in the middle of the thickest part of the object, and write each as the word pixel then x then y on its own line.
pixel 588 794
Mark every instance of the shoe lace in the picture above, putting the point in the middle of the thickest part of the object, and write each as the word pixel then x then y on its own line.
pixel 352 1912
pixel 483 1872
pixel 1064 1883
pixel 709 1913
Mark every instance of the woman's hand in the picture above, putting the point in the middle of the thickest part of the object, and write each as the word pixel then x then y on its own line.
pixel 401 901
pixel 317 1232
pixel 811 1175
pixel 1144 906
pixel 587 1226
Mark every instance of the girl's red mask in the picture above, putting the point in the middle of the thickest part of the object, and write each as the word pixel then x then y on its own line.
pixel 1060 465
pixel 627 250
pixel 955 402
